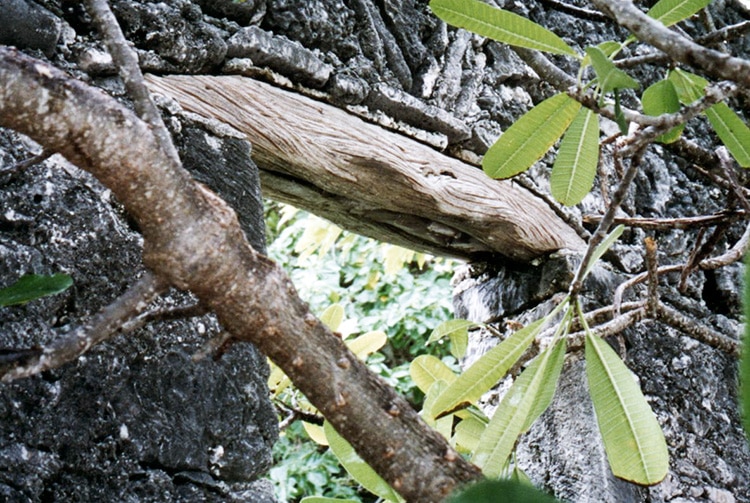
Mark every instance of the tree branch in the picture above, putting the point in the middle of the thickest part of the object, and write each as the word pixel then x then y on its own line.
pixel 714 63
pixel 100 328
pixel 192 241
pixel 317 156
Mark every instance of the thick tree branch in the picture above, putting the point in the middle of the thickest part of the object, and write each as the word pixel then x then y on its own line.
pixel 193 241
pixel 370 180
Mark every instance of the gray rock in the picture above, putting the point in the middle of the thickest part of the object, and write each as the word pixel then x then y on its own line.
pixel 280 54
pixel 27 25
pixel 134 415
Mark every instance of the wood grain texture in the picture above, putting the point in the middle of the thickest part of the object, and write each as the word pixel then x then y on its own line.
pixel 371 180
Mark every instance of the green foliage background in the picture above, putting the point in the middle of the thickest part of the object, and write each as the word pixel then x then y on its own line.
pixel 329 266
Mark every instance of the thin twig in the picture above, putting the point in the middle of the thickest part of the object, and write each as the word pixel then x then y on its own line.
pixel 703 252
pixel 526 182
pixel 733 255
pixel 601 231
pixel 21 166
pixel 697 331
pixel 126 61
pixel 652 265
pixel 690 264
pixel 665 224
pixel 727 165
pixel 679 48
pixel 101 327
pixel 576 340
pixel 165 314
pixel 724 34
pixel 652 58
pixel 579 12
pixel 215 346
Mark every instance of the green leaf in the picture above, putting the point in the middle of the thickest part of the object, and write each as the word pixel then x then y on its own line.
pixel 487 370
pixel 661 98
pixel 500 25
pixel 358 469
pixel 519 475
pixel 458 333
pixel 669 12
pixel 498 491
pixel 729 127
pixel 530 137
pixel 450 328
pixel 732 131
pixel 575 167
pixel 622 122
pixel 633 440
pixel 425 370
pixel 689 86
pixel 610 77
pixel 366 344
pixel 34 286
pixel 467 435
pixel 333 316
pixel 610 48
pixel 605 245
pixel 529 396
pixel 321 499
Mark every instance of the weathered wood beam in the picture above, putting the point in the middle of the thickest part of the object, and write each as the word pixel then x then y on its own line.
pixel 370 180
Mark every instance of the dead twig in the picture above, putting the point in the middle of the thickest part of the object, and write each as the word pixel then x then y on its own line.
pixel 652 264
pixel 665 224
pixel 698 331
pixel 101 327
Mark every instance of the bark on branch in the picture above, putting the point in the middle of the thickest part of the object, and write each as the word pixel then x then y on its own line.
pixel 371 180
pixel 714 63
pixel 193 241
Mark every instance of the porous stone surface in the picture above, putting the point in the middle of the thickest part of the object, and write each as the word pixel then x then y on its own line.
pixel 135 419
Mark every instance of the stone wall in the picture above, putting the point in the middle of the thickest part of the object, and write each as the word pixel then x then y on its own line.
pixel 138 418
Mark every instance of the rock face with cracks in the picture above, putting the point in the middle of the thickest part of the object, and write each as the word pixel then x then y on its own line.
pixel 136 418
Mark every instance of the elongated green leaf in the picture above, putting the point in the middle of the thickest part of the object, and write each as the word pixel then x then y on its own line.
pixel 458 333
pixel 33 286
pixel 610 77
pixel 468 433
pixel 449 328
pixel 732 131
pixel 689 86
pixel 530 137
pixel 426 369
pixel 366 344
pixel 605 245
pixel 670 12
pixel 529 396
pixel 500 25
pixel 333 316
pixel 321 499
pixel 622 122
pixel 633 440
pixel 729 127
pixel 487 370
pixel 358 469
pixel 575 166
pixel 661 98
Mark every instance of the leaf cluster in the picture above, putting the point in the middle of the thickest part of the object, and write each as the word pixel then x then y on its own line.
pixel 562 116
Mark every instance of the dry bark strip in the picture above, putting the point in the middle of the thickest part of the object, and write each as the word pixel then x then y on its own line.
pixel 193 241
pixel 370 180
